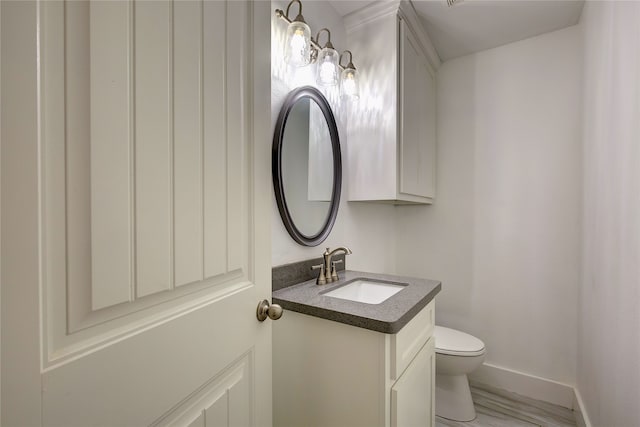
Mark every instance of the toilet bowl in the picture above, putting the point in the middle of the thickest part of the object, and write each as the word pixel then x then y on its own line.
pixel 457 354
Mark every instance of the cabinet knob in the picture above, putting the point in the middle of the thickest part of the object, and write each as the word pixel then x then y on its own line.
pixel 264 310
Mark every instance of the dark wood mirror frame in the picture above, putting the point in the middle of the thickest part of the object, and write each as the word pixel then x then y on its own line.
pixel 276 165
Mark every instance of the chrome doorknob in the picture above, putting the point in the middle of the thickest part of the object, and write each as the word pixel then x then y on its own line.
pixel 264 310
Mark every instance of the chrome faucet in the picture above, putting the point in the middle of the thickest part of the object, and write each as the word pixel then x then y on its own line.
pixel 330 272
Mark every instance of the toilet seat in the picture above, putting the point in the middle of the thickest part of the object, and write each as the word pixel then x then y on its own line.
pixel 456 343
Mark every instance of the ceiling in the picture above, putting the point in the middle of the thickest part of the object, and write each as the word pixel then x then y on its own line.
pixel 474 25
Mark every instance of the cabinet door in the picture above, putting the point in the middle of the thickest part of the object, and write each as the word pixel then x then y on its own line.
pixel 417 119
pixel 412 396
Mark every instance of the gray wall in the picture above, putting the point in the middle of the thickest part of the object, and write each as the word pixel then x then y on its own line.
pixel 608 375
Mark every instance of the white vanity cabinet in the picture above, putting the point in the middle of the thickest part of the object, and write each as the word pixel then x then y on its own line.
pixel 331 374
pixel 392 128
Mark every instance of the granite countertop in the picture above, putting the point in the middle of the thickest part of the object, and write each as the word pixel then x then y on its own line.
pixel 388 317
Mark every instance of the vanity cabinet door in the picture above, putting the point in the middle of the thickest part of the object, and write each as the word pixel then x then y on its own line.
pixel 417 119
pixel 412 396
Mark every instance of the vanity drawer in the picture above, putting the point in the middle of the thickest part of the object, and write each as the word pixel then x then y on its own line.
pixel 408 342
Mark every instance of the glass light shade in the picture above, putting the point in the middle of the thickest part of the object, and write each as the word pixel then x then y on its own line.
pixel 328 67
pixel 298 44
pixel 349 83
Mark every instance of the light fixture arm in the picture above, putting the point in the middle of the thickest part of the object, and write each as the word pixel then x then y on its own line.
pixel 350 64
pixel 328 44
pixel 299 16
pixel 281 14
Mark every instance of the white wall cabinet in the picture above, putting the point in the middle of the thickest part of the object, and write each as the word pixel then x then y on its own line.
pixel 392 129
pixel 331 374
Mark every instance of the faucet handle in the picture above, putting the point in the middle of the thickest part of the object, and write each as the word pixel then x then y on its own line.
pixel 321 280
pixel 334 271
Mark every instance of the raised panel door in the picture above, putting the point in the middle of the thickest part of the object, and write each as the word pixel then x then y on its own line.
pixel 153 212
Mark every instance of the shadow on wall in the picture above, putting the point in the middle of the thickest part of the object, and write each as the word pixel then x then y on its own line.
pixel 504 233
pixel 368 229
pixel 609 339
pixel 285 78
pixel 437 241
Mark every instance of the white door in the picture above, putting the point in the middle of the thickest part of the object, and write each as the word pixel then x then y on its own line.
pixel 135 213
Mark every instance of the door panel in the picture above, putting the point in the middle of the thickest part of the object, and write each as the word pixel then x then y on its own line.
pixel 411 113
pixel 136 381
pixel 412 396
pixel 104 119
pixel 135 195
pixel 188 143
pixel 152 167
pixel 154 246
pixel 221 402
pixel 418 141
pixel 215 148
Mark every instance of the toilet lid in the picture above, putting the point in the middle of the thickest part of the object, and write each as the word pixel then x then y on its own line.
pixel 456 343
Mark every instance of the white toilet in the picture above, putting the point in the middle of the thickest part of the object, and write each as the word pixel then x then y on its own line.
pixel 457 354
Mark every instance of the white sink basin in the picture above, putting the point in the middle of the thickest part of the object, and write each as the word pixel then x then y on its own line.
pixel 367 291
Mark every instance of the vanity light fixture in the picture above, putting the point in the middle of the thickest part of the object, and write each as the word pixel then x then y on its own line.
pixel 301 49
pixel 349 78
pixel 328 59
pixel 298 42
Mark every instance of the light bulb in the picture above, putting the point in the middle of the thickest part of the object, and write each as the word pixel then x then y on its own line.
pixel 327 73
pixel 328 67
pixel 298 44
pixel 349 82
pixel 297 41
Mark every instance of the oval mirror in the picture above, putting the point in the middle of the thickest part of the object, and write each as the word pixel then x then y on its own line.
pixel 307 166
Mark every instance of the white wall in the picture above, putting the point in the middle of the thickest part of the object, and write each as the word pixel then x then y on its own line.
pixel 508 229
pixel 504 233
pixel 368 229
pixel 608 375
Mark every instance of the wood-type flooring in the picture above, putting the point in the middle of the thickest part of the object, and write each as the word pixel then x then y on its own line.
pixel 500 408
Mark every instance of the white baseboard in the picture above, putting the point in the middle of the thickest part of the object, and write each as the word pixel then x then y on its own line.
pixel 582 418
pixel 526 385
